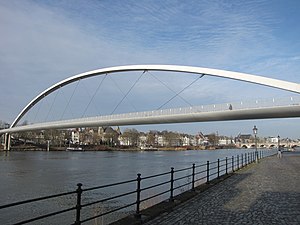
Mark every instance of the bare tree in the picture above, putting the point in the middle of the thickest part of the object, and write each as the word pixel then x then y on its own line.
pixel 132 135
pixel 172 138
pixel 151 138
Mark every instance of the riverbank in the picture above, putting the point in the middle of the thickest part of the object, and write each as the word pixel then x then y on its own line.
pixel 263 193
pixel 118 148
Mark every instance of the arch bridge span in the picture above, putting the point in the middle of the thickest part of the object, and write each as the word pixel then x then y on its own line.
pixel 275 83
pixel 260 80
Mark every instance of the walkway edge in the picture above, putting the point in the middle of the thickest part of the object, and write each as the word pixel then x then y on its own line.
pixel 167 206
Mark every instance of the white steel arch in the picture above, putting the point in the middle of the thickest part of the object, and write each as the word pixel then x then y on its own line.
pixel 275 83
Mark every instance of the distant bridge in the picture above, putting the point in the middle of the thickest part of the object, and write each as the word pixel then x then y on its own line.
pixel 191 114
pixel 270 145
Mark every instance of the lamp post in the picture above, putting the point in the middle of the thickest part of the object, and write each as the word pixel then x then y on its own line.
pixel 255 133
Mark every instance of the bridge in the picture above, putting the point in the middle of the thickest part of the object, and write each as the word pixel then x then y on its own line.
pixel 229 111
pixel 283 144
pixel 286 107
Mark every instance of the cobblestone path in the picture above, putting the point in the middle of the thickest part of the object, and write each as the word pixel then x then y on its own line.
pixel 264 193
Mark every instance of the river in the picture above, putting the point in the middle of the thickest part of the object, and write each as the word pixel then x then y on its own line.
pixel 25 175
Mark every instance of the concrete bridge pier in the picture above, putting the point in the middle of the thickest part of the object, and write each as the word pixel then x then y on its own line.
pixel 7 140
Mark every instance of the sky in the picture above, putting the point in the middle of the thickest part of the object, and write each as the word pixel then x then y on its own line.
pixel 43 42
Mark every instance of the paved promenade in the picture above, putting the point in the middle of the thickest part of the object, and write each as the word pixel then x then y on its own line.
pixel 264 193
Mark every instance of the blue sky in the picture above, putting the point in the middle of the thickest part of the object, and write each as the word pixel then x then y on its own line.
pixel 43 42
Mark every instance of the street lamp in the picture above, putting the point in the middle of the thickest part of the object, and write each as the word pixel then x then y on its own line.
pixel 255 133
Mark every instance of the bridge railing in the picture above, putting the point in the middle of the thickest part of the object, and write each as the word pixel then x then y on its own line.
pixel 144 191
pixel 247 104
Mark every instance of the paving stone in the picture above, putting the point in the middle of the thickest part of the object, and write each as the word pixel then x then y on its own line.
pixel 264 193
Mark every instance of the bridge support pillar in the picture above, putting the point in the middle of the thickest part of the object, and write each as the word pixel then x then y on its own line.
pixel 7 142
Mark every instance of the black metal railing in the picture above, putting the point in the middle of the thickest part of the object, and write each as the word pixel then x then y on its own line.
pixel 170 183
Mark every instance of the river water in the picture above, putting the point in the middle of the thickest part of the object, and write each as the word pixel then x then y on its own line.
pixel 25 175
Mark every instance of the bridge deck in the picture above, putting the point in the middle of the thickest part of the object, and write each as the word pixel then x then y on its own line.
pixel 267 193
pixel 159 117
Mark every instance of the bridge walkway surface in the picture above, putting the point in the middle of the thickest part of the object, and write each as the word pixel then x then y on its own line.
pixel 263 193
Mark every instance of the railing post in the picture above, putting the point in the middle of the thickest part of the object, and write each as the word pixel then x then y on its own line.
pixel 238 162
pixel 226 166
pixel 207 172
pixel 242 160
pixel 260 153
pixel 232 164
pixel 172 185
pixel 218 168
pixel 193 177
pixel 248 158
pixel 78 204
pixel 245 159
pixel 138 195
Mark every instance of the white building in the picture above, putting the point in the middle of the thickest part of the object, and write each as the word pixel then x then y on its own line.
pixel 185 141
pixel 125 141
pixel 160 140
pixel 272 140
pixel 75 137
pixel 142 140
pixel 225 141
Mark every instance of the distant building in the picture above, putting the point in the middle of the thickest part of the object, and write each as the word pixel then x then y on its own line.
pixel 185 141
pixel 201 139
pixel 189 140
pixel 175 142
pixel 160 140
pixel 109 135
pixel 245 138
pixel 87 136
pixel 75 136
pixel 272 140
pixel 242 139
pixel 223 141
pixel 125 141
pixel 142 140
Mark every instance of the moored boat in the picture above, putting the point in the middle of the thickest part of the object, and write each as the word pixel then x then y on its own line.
pixel 74 149
pixel 148 148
